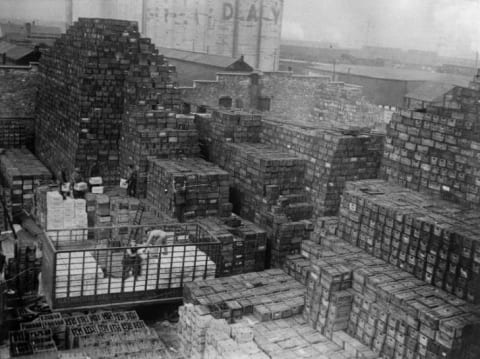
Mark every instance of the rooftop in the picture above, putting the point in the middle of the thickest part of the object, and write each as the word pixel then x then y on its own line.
pixel 197 57
pixel 395 73
pixel 430 91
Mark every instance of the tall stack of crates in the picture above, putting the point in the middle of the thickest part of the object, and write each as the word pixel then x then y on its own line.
pixel 244 244
pixel 21 173
pixel 437 151
pixel 332 156
pixel 188 188
pixel 149 134
pixel 260 174
pixel 387 309
pixel 105 91
pixel 103 218
pixel 226 126
pixel 338 103
pixel 82 96
pixel 152 126
pixel 434 240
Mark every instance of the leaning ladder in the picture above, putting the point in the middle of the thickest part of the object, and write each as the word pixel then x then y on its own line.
pixel 136 222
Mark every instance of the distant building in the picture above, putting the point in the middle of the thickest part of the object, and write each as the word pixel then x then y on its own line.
pixel 12 54
pixel 191 66
pixel 29 34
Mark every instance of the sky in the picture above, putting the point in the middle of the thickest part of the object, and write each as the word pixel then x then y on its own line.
pixel 438 25
pixel 445 26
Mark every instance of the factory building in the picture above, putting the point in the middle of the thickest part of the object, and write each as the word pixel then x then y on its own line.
pixel 218 27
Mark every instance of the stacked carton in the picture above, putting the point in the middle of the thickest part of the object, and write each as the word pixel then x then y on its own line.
pixel 15 133
pixel 434 240
pixel 99 75
pixel 229 126
pixel 21 173
pixel 267 295
pixel 154 134
pixel 332 156
pixel 437 151
pixel 244 244
pixel 188 188
pixel 260 173
pixel 55 213
pixel 338 103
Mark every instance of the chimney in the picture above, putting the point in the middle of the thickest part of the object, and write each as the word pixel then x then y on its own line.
pixel 28 28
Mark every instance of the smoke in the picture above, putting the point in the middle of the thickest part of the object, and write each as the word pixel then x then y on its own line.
pixel 435 25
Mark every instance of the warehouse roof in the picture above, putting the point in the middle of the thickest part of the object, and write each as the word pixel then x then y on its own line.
pixel 430 91
pixel 5 46
pixel 395 73
pixel 198 57
pixel 18 52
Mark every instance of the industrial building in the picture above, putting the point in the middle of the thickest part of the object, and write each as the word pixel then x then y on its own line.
pixel 249 214
pixel 227 28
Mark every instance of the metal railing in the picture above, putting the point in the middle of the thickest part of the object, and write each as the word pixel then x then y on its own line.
pixel 94 266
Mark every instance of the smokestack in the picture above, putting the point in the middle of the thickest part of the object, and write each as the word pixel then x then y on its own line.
pixel 68 13
pixel 28 28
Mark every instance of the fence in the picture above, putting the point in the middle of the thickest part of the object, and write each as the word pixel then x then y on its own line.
pixel 81 272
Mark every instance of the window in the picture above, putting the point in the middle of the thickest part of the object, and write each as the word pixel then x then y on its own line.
pixel 264 104
pixel 254 79
pixel 225 102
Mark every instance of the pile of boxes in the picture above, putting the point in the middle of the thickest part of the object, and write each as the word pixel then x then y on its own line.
pixel 267 295
pixel 260 174
pixel 434 240
pixel 338 103
pixel 113 105
pixel 14 133
pixel 103 334
pixel 81 104
pixel 389 310
pixel 227 126
pixel 149 134
pixel 437 151
pixel 332 157
pixel 244 244
pixel 55 213
pixel 22 173
pixel 188 188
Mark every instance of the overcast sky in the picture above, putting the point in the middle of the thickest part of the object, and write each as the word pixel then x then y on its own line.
pixel 440 25
pixel 446 26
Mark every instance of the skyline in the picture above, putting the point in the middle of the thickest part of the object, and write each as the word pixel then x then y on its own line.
pixel 449 28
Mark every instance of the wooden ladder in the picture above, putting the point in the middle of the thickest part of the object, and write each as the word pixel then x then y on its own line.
pixel 136 222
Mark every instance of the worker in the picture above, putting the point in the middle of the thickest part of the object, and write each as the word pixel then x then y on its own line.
pixel 157 237
pixel 132 181
pixel 3 265
pixel 75 177
pixel 63 184
pixel 131 262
